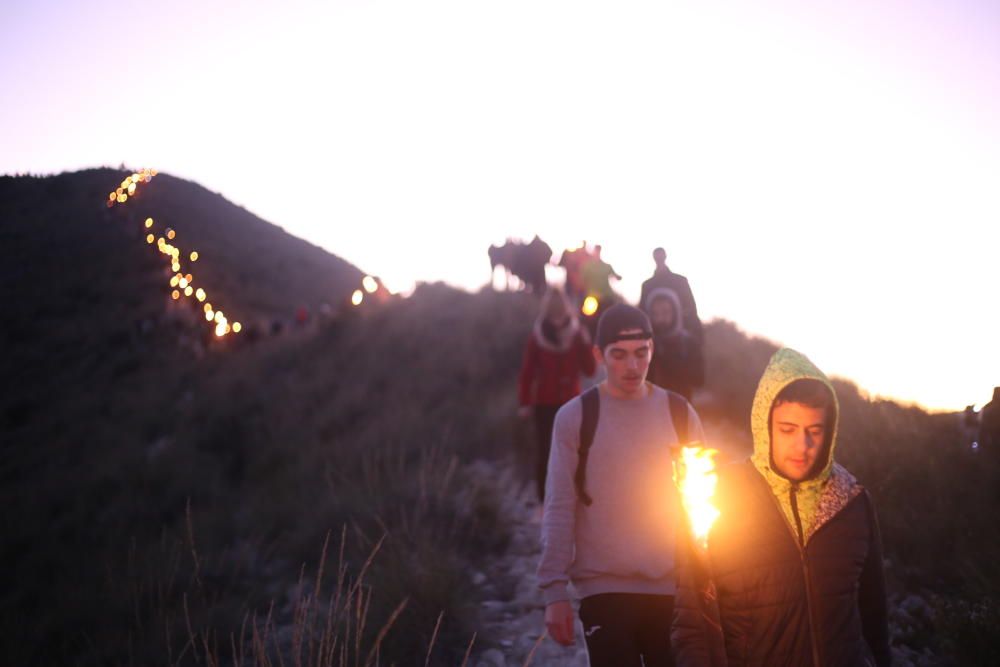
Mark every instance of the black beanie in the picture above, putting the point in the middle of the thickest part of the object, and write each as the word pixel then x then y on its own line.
pixel 622 317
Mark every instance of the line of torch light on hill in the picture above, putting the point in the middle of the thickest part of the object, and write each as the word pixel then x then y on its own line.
pixel 182 284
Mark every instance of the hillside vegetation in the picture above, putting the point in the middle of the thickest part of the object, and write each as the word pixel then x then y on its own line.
pixel 162 506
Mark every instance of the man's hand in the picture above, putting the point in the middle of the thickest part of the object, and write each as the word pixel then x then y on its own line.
pixel 559 622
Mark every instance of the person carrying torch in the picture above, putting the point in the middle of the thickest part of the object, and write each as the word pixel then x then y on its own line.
pixel 612 514
pixel 791 573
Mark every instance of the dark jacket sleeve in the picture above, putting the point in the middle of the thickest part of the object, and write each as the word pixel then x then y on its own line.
pixel 689 311
pixel 871 595
pixel 695 635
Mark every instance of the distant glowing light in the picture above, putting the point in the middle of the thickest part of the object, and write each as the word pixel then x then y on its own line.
pixel 208 307
pixel 220 330
pixel 122 198
pixel 112 196
pixel 174 282
pixel 149 238
pixel 219 317
pixel 200 294
pixel 131 188
pixel 183 282
pixel 127 182
pixel 237 327
pixel 194 256
pixel 171 234
pixel 149 223
pixel 175 295
pixel 590 305
pixel 175 266
pixel 357 297
pixel 188 290
pixel 188 277
pixel 209 315
pixel 369 284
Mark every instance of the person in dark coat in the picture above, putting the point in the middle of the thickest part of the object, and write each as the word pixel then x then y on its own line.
pixel 989 422
pixel 792 571
pixel 664 277
pixel 677 362
pixel 558 351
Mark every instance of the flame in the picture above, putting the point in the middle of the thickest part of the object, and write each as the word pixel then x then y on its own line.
pixel 590 305
pixel 357 297
pixel 194 256
pixel 369 284
pixel 696 478
pixel 149 223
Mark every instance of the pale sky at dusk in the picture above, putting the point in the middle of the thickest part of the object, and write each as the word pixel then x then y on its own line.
pixel 826 174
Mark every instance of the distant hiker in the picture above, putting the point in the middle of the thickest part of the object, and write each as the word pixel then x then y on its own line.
pixel 664 277
pixel 526 261
pixel 572 260
pixel 530 264
pixel 677 362
pixel 597 275
pixel 989 422
pixel 558 351
pixel 793 571
pixel 611 510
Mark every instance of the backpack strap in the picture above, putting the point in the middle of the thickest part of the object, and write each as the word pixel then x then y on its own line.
pixel 679 416
pixel 588 426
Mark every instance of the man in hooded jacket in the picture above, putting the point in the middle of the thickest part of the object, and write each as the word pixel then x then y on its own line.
pixel 792 574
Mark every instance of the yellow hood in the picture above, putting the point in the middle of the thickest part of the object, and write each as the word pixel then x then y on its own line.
pixel 785 367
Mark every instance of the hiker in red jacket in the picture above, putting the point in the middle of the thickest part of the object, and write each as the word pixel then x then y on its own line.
pixel 557 352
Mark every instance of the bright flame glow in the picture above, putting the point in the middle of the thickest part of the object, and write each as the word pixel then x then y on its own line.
pixel 183 282
pixel 357 297
pixel 194 256
pixel 149 238
pixel 171 234
pixel 149 223
pixel 200 294
pixel 209 315
pixel 131 188
pixel 188 290
pixel 589 306
pixel 174 281
pixel 175 295
pixel 696 478
pixel 369 284
pixel 237 327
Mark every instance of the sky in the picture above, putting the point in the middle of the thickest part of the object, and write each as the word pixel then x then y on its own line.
pixel 825 173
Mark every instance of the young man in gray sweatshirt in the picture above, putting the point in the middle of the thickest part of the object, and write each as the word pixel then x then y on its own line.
pixel 617 550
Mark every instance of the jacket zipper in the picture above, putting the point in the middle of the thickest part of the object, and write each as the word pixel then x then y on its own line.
pixel 805 572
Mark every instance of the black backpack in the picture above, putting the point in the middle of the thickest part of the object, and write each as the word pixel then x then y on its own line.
pixel 588 426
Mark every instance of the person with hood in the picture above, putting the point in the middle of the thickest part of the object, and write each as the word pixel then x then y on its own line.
pixel 556 354
pixel 792 573
pixel 664 277
pixel 677 362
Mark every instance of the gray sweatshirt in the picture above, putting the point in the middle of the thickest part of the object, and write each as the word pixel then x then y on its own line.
pixel 624 542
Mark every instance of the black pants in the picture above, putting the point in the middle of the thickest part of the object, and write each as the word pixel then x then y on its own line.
pixel 628 629
pixel 545 415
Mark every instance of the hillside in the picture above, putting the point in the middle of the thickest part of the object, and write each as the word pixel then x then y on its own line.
pixel 157 502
